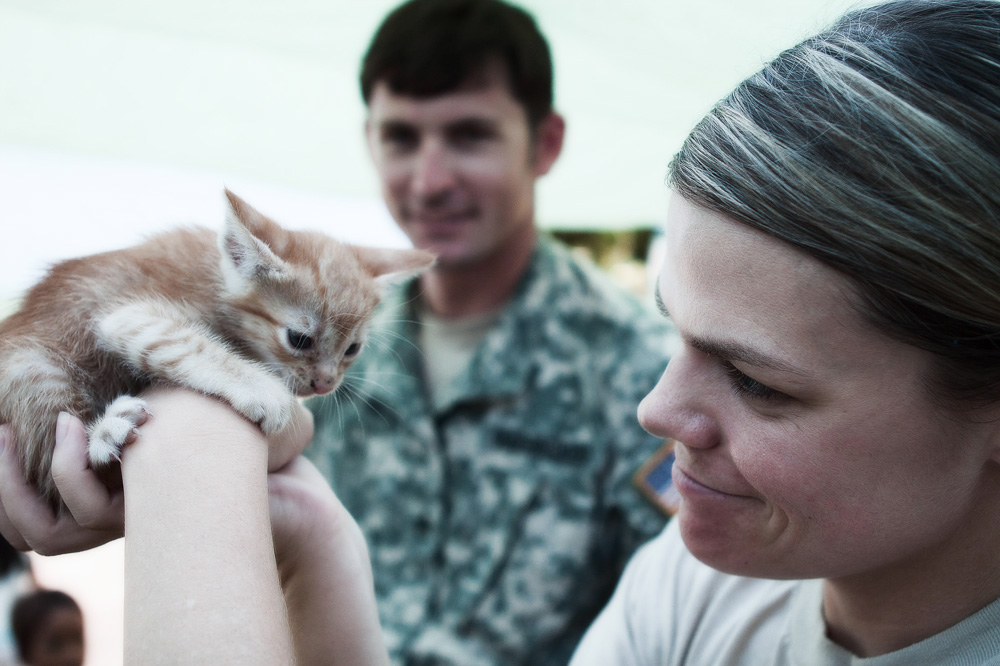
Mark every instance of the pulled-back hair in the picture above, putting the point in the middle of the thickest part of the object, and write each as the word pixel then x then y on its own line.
pixel 426 48
pixel 875 148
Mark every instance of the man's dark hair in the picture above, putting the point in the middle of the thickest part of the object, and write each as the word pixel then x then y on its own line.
pixel 426 48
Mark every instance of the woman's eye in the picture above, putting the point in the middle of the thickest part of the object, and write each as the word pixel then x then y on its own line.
pixel 299 340
pixel 746 386
pixel 352 349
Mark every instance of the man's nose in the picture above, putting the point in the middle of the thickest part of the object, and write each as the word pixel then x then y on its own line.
pixel 433 171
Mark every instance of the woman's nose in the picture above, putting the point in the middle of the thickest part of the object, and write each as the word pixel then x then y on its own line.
pixel 680 406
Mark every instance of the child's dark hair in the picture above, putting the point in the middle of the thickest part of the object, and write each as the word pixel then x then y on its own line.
pixel 31 610
pixel 426 48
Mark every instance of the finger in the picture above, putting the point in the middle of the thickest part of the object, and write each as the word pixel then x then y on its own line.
pixel 299 484
pixel 10 477
pixel 290 441
pixel 30 519
pixel 92 505
pixel 304 506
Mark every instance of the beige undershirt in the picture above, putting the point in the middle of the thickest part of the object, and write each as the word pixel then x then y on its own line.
pixel 448 344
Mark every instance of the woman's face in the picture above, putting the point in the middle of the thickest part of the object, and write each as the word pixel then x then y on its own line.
pixel 807 443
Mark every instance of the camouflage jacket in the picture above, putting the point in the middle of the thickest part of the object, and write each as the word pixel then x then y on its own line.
pixel 498 525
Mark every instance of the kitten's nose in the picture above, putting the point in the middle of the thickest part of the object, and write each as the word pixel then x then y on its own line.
pixel 322 384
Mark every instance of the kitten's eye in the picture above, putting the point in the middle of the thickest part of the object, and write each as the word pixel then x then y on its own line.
pixel 352 349
pixel 299 340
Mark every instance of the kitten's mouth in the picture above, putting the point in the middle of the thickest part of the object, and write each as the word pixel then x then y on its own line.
pixel 303 391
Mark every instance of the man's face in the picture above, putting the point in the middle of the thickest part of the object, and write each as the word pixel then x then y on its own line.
pixel 458 170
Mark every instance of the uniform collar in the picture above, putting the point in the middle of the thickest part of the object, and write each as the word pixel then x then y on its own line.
pixel 498 370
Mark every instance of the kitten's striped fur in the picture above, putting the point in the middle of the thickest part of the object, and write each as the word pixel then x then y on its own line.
pixel 255 315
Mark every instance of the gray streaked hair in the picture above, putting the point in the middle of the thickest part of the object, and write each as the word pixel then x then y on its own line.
pixel 875 148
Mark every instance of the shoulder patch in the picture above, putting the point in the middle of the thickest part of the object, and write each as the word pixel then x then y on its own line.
pixel 655 481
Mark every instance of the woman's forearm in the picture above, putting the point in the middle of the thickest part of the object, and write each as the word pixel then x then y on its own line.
pixel 201 583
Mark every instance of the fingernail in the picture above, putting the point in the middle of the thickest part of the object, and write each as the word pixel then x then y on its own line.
pixel 62 424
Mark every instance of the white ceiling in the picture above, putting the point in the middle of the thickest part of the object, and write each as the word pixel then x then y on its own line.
pixel 266 90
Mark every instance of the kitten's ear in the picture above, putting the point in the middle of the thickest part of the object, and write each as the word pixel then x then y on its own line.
pixel 392 266
pixel 245 257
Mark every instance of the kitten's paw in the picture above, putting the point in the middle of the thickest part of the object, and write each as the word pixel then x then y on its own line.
pixel 268 405
pixel 118 427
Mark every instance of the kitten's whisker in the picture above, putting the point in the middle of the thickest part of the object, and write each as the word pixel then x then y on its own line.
pixel 350 390
pixel 355 393
pixel 370 396
pixel 378 340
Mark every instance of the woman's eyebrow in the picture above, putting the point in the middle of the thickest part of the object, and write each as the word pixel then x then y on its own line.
pixel 731 350
pixel 737 351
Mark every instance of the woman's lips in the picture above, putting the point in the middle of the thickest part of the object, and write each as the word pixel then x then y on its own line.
pixel 688 485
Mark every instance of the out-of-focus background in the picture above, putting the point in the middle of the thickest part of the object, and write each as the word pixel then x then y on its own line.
pixel 119 118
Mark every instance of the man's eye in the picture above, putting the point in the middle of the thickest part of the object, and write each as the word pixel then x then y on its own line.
pixel 745 386
pixel 471 134
pixel 399 138
pixel 299 340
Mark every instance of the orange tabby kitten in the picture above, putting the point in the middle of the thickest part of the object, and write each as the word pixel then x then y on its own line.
pixel 256 316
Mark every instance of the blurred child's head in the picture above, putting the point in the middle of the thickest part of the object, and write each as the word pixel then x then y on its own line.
pixel 48 628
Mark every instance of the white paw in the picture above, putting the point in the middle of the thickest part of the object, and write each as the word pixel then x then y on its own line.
pixel 268 404
pixel 117 427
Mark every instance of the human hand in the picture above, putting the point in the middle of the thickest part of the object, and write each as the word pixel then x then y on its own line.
pixel 286 444
pixel 307 517
pixel 96 514
pixel 325 572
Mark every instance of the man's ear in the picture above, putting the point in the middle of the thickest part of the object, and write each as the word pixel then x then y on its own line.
pixel 369 139
pixel 548 142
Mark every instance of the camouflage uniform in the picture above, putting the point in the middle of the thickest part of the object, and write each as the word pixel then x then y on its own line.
pixel 498 524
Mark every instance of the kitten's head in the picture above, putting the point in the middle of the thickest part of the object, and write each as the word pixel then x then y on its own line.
pixel 300 301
